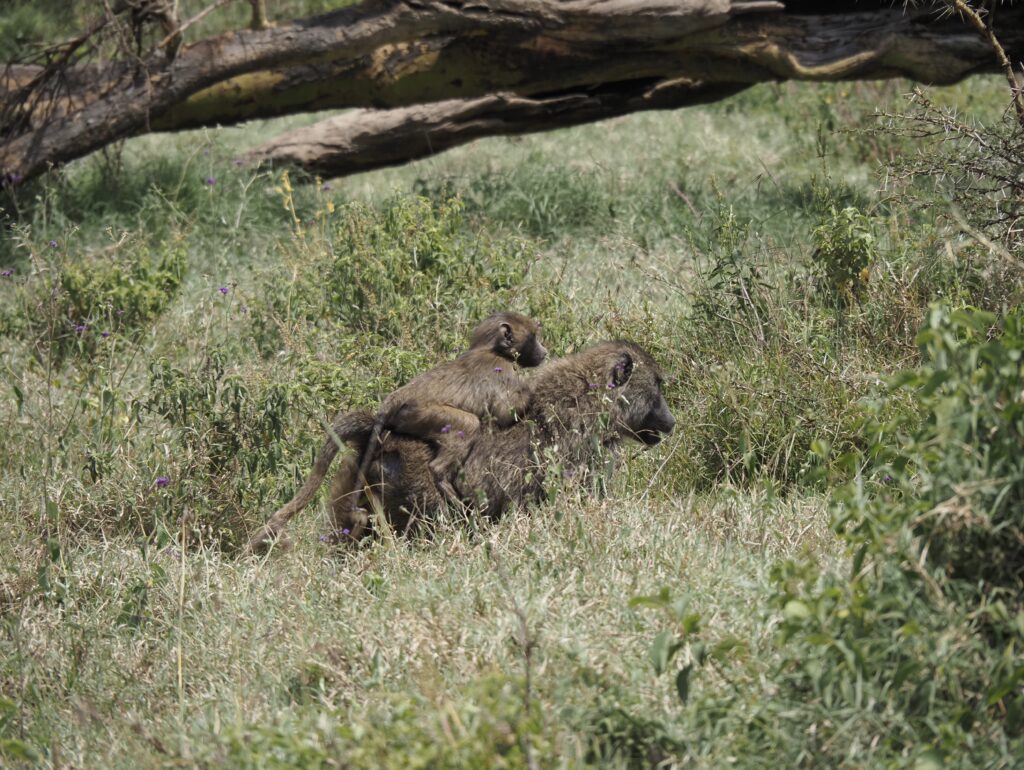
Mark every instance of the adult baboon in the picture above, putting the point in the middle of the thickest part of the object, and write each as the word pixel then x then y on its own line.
pixel 581 405
pixel 444 406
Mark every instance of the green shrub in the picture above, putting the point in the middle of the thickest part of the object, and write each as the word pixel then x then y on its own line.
pixel 70 303
pixel 367 284
pixel 923 634
pixel 233 444
pixel 485 726
pixel 843 254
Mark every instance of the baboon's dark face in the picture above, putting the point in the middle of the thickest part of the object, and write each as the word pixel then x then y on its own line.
pixel 530 352
pixel 642 412
pixel 658 422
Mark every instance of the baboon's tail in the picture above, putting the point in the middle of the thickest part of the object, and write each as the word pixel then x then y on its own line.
pixel 352 428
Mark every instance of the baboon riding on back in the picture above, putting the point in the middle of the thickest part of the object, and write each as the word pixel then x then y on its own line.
pixel 580 406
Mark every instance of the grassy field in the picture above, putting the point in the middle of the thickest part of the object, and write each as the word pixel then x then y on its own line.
pixel 174 328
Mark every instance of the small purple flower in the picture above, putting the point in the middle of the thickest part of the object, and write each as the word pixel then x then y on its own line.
pixel 53 244
pixel 211 180
pixel 13 179
pixel 104 334
pixel 223 290
pixel 592 386
pixel 498 369
pixel 7 273
pixel 346 531
pixel 611 386
pixel 887 478
pixel 326 187
pixel 79 328
pixel 446 428
pixel 325 538
pixel 162 481
pixel 461 434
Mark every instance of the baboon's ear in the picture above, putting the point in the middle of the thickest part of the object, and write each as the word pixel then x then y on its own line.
pixel 622 370
pixel 507 341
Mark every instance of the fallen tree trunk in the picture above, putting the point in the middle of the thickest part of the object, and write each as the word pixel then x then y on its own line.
pixel 362 140
pixel 588 58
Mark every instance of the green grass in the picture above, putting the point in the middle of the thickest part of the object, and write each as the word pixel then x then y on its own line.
pixel 691 232
pixel 216 660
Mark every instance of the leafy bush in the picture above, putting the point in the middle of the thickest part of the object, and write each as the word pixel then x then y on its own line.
pixel 365 283
pixel 925 630
pixel 68 304
pixel 844 251
pixel 957 478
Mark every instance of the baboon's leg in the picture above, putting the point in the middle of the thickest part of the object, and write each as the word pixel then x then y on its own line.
pixel 452 430
pixel 348 518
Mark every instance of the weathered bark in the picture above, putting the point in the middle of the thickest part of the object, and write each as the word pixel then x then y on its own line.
pixel 394 53
pixel 361 140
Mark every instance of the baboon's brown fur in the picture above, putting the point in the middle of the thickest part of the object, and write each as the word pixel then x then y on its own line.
pixel 444 406
pixel 580 405
pixel 447 404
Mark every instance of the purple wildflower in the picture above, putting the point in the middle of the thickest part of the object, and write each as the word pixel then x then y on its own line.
pixel 887 478
pixel 446 428
pixel 104 334
pixel 461 434
pixel 611 386
pixel 53 244
pixel 498 369
pixel 162 481
pixel 326 187
pixel 592 386
pixel 7 273
pixel 325 538
pixel 223 289
pixel 211 180
pixel 81 328
pixel 346 531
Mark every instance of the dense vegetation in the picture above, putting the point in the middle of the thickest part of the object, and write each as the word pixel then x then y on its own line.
pixel 822 567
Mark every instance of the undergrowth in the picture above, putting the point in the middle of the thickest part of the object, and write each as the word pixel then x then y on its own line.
pixel 175 330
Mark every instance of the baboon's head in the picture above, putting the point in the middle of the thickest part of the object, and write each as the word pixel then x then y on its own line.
pixel 512 336
pixel 635 381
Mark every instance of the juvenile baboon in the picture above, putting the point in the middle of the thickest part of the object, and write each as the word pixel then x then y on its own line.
pixel 447 404
pixel 581 405
pixel 444 407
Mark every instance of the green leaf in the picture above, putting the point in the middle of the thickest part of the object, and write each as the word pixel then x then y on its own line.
pixel 659 600
pixel 663 649
pixel 16 749
pixel 658 653
pixel 796 610
pixel 720 651
pixel 683 682
pixel 929 760
pixel 691 623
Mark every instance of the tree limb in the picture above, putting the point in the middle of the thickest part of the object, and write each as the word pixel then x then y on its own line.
pixel 361 140
pixel 396 53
